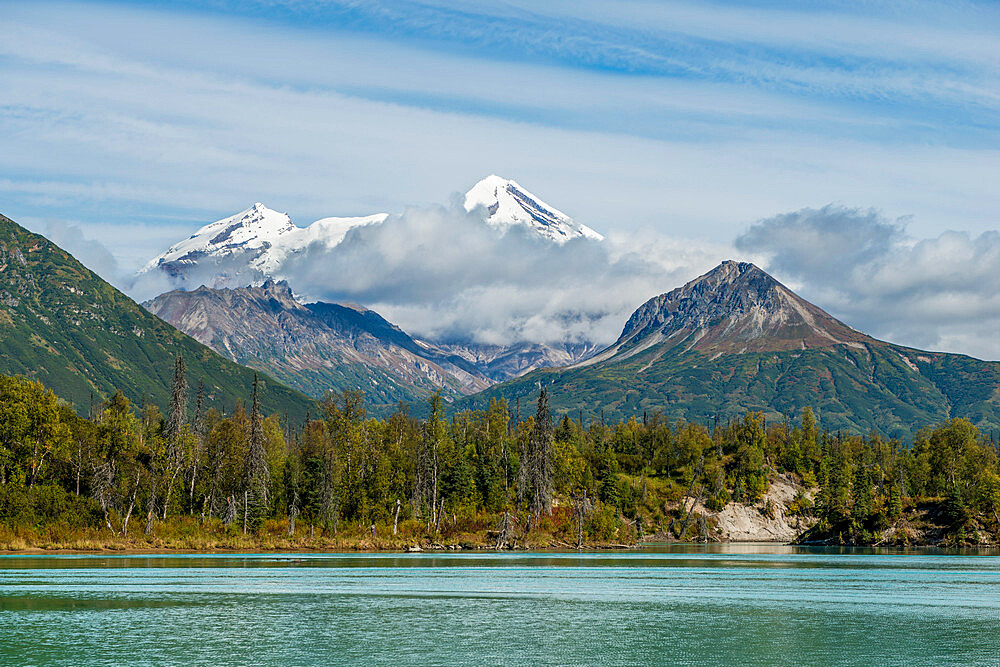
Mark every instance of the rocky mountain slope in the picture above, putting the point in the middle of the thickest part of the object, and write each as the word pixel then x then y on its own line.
pixel 736 339
pixel 319 346
pixel 63 325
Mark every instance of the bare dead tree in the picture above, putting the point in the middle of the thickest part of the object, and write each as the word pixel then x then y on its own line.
pixel 581 509
pixel 131 504
pixel 506 535
pixel 151 506
pixel 101 484
pixel 437 519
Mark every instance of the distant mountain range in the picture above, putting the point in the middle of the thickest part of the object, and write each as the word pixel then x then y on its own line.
pixel 735 339
pixel 248 250
pixel 63 325
pixel 318 347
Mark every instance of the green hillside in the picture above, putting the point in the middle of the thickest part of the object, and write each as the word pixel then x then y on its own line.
pixel 63 325
pixel 855 389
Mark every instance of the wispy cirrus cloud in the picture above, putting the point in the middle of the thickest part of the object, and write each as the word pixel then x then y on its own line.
pixel 205 114
pixel 139 122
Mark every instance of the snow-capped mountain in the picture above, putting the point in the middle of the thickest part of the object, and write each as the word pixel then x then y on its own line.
pixel 250 247
pixel 507 204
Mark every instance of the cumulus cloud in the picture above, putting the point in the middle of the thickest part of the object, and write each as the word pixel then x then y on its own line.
pixel 440 272
pixel 941 292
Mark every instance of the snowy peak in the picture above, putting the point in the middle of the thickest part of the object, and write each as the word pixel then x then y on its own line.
pixel 249 246
pixel 255 228
pixel 507 204
pixel 247 229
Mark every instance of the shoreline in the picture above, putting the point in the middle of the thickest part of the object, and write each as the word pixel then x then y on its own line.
pixel 441 549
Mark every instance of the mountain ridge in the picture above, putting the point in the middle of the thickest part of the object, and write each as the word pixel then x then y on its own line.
pixel 736 339
pixel 316 347
pixel 319 346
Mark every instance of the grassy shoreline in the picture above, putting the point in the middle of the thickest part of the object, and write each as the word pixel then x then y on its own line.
pixel 187 534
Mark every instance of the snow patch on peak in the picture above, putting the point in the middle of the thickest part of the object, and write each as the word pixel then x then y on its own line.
pixel 251 229
pixel 254 244
pixel 507 204
pixel 261 236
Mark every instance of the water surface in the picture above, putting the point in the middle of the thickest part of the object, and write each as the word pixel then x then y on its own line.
pixel 741 604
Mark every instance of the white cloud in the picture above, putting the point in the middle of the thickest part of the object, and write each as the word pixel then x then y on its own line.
pixel 439 272
pixel 941 292
pixel 91 253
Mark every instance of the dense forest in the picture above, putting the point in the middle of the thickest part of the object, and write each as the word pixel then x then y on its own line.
pixel 194 478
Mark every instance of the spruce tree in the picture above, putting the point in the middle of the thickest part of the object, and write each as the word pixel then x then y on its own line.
pixel 175 428
pixel 429 461
pixel 258 474
pixel 197 450
pixel 177 417
pixel 540 459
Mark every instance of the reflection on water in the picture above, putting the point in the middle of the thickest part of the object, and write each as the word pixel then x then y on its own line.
pixel 752 604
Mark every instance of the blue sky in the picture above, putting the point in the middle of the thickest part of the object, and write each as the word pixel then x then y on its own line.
pixel 138 122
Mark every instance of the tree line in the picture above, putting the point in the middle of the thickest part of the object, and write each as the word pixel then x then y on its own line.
pixel 485 473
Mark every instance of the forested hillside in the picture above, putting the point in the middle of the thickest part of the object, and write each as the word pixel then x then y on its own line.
pixel 63 325
pixel 197 478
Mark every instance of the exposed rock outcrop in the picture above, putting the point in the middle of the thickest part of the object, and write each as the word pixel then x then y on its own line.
pixel 737 522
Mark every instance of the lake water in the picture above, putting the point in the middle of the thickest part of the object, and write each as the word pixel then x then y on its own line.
pixel 732 604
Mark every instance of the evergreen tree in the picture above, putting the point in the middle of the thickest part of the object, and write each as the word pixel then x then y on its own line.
pixel 177 432
pixel 429 461
pixel 258 473
pixel 539 461
pixel 177 415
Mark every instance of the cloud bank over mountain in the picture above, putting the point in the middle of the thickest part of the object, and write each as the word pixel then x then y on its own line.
pixel 941 292
pixel 441 273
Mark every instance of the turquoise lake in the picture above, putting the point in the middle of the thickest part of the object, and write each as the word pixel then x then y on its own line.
pixel 735 604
